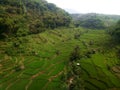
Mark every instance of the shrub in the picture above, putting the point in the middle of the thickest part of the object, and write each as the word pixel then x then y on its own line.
pixel 115 31
pixel 75 55
pixel 76 36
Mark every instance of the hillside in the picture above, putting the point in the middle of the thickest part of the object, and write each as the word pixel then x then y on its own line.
pixel 42 61
pixel 42 47
pixel 101 19
pixel 22 17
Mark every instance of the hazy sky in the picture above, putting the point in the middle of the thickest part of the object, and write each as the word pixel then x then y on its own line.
pixel 89 6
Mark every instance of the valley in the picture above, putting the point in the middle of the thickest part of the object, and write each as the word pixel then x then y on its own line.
pixel 25 65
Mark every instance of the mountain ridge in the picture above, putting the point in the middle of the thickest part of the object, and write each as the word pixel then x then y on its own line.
pixel 107 20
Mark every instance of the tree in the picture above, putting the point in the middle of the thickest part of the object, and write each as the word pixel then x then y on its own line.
pixel 92 23
pixel 30 17
pixel 115 31
pixel 75 55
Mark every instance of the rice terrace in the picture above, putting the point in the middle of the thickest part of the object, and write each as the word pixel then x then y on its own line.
pixel 42 47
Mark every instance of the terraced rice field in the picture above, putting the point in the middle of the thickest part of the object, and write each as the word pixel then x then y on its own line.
pixel 40 60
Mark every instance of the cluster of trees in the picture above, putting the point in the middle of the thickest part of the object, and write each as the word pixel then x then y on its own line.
pixel 21 17
pixel 114 31
pixel 94 21
pixel 74 79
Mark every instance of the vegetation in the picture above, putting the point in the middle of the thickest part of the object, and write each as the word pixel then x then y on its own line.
pixel 94 21
pixel 75 55
pixel 40 49
pixel 91 23
pixel 46 64
pixel 22 17
pixel 115 31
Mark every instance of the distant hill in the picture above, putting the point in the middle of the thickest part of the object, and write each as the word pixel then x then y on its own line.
pixel 21 17
pixel 105 20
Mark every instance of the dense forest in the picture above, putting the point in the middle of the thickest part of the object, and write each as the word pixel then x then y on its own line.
pixel 43 47
pixel 93 20
pixel 21 17
pixel 114 31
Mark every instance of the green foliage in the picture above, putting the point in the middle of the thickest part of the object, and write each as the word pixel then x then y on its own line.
pixel 93 20
pixel 45 57
pixel 115 31
pixel 22 32
pixel 16 47
pixel 23 17
pixel 74 71
pixel 74 78
pixel 75 55
pixel 92 23
pixel 7 26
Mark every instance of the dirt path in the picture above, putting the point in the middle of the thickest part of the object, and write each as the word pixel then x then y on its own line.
pixel 27 86
pixel 7 75
pixel 43 72
pixel 36 75
pixel 51 79
pixel 7 88
pixel 33 77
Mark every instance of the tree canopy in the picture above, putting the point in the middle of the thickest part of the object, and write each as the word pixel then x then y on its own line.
pixel 18 17
pixel 115 31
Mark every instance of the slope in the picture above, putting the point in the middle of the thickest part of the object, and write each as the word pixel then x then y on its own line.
pixel 39 61
pixel 22 17
pixel 107 20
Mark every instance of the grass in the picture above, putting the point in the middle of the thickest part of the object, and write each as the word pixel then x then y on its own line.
pixel 46 55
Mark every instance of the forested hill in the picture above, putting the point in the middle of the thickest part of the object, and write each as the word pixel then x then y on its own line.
pixel 22 17
pixel 101 20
